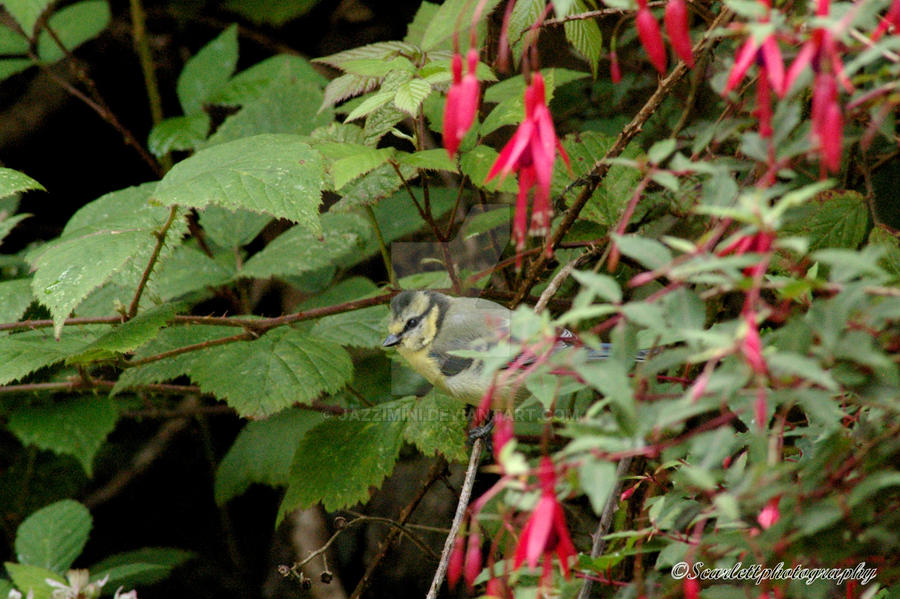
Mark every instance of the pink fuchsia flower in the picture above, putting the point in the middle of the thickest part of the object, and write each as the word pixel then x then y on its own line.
pixel 462 101
pixel 827 121
pixel 615 71
pixel 766 53
pixel 769 515
pixel 531 152
pixel 503 432
pixel 759 242
pixel 545 533
pixel 472 565
pixel 651 37
pixel 676 20
pixel 751 345
pixel 890 22
pixel 457 559
pixel 691 588
pixel 496 587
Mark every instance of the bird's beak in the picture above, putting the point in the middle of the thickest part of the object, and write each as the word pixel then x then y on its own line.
pixel 391 340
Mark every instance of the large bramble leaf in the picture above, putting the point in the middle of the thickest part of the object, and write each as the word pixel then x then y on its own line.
pixel 178 133
pixel 76 427
pixel 139 567
pixel 13 181
pixel 274 174
pixel 271 13
pixel 425 14
pixel 476 165
pixel 357 328
pixel 23 353
pixel 30 579
pixel 262 452
pixel 376 51
pixel 297 250
pixel 437 424
pixel 232 228
pixel 833 219
pixel 111 238
pixel 252 83
pixel 584 35
pixel 410 95
pixel 8 224
pixel 127 336
pixel 347 86
pixel 207 71
pixel 189 270
pixel 338 461
pixel 451 13
pixel 882 237
pixel 72 26
pixel 53 536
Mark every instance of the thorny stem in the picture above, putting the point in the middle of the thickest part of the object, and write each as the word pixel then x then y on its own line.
pixel 145 277
pixel 385 254
pixel 598 172
pixel 465 495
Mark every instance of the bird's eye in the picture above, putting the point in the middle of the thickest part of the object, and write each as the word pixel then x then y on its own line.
pixel 411 323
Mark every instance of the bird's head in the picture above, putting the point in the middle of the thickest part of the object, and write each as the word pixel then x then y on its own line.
pixel 416 318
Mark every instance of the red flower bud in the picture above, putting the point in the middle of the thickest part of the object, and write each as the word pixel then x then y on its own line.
pixel 462 101
pixel 676 19
pixel 473 559
pixel 769 515
pixel 651 38
pixel 455 565
pixel 691 588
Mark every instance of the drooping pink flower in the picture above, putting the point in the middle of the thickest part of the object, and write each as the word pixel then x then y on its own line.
pixel 503 432
pixel 691 588
pixel 827 121
pixel 769 515
pixel 462 101
pixel 615 71
pixel 676 20
pixel 473 559
pixel 751 345
pixel 545 533
pixel 496 587
pixel 455 564
pixel 890 22
pixel 651 37
pixel 759 242
pixel 531 152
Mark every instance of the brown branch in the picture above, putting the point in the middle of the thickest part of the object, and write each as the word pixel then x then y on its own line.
pixel 145 276
pixel 246 336
pixel 435 474
pixel 592 180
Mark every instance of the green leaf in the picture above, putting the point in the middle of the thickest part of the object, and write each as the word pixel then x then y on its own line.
pixel 584 35
pixel 425 14
pixel 286 106
pixel 372 187
pixel 598 479
pixel 451 14
pixel 32 578
pixel 338 461
pixel 262 452
pixel 358 328
pixel 256 378
pixel 297 250
pixel 476 165
pixel 433 160
pixel 53 536
pixel 127 336
pixel 271 13
pixel 26 12
pixel 207 71
pixel 833 219
pixel 139 567
pixel 411 94
pixel 397 217
pixel 188 270
pixel 280 175
pixel 437 424
pixel 23 353
pixel 254 82
pixel 8 224
pixel 77 426
pixel 648 252
pixel 178 133
pixel 13 181
pixel 787 363
pixel 232 228
pixel 882 237
pixel 369 105
pixel 378 51
pixel 374 67
pixel 362 160
pixel 73 25
pixel 15 297
pixel 602 285
pixel 347 86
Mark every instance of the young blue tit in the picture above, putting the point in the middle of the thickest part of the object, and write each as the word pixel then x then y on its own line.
pixel 427 326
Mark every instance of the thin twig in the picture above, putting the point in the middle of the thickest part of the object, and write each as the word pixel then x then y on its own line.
pixel 461 507
pixel 145 56
pixel 612 504
pixel 145 276
pixel 599 170
pixel 554 284
pixel 385 254
pixel 435 474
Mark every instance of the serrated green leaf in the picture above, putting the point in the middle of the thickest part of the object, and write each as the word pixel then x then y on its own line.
pixel 359 328
pixel 378 51
pixel 13 181
pixel 139 567
pixel 252 83
pixel 271 13
pixel 477 164
pixel 362 160
pixel 347 86
pixel 274 174
pixel 338 461
pixel 449 15
pixel 127 336
pixel 833 219
pixel 286 106
pixel 32 578
pixel 382 121
pixel 26 12
pixel 598 479
pixel 189 270
pixel 53 536
pixel 583 34
pixel 602 285
pixel 661 150
pixel 15 297
pixel 232 228
pixel 415 31
pixel 76 427
pixel 372 187
pixel 883 237
pixel 23 353
pixel 411 94
pixel 8 224
pixel 262 452
pixel 437 424
pixel 434 160
pixel 375 67
pixel 207 71
pixel 370 104
pixel 178 133
pixel 787 363
pixel 297 250
pixel 72 25
pixel 648 252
